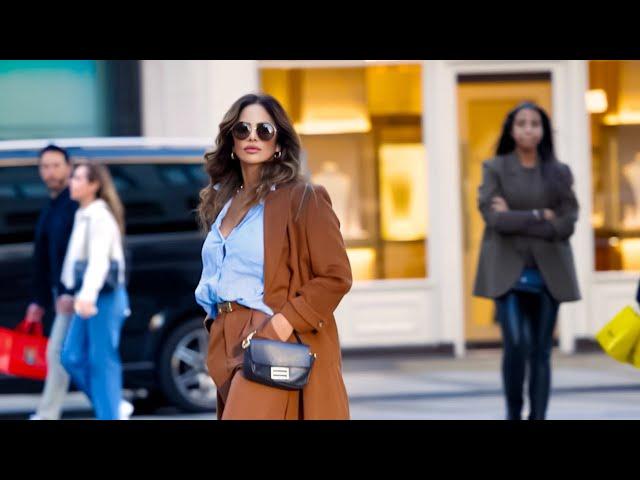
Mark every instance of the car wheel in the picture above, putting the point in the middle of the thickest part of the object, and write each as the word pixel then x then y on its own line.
pixel 184 377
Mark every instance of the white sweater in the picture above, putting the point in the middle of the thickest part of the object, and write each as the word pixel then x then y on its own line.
pixel 105 244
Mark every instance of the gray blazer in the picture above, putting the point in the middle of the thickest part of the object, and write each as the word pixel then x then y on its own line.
pixel 500 263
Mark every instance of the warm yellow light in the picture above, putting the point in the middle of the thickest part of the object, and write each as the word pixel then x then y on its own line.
pixel 597 220
pixel 333 101
pixel 630 248
pixel 596 101
pixel 318 126
pixel 403 191
pixel 614 242
pixel 626 117
pixel 394 89
pixel 363 263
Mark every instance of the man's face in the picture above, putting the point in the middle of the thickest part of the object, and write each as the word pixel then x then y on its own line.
pixel 54 171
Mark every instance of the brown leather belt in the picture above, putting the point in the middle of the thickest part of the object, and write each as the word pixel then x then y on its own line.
pixel 224 307
pixel 228 307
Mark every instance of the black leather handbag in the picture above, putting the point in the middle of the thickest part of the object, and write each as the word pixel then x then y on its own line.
pixel 110 283
pixel 277 364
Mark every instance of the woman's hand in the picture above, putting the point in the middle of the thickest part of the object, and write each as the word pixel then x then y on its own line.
pixel 64 304
pixel 85 309
pixel 281 326
pixel 548 214
pixel 499 204
pixel 35 313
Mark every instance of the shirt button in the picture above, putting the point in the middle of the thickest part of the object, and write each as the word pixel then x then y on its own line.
pixel 321 324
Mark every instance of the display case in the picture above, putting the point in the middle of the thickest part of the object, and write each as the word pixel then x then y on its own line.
pixel 361 133
pixel 616 198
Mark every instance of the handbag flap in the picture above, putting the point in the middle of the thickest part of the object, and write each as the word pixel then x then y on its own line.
pixel 274 353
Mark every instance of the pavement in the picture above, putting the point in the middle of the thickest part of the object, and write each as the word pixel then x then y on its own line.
pixel 403 386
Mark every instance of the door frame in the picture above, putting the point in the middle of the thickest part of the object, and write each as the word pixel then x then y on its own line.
pixel 569 83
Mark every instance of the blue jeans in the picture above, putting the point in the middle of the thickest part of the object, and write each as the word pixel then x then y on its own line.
pixel 527 321
pixel 90 353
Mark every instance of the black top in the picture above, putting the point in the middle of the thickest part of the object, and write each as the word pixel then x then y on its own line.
pixel 51 238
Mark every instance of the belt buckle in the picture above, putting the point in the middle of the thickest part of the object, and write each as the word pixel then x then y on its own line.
pixel 227 307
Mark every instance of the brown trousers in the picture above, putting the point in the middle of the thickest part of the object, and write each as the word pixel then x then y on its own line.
pixel 239 398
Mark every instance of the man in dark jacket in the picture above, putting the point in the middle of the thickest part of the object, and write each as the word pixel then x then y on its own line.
pixel 51 238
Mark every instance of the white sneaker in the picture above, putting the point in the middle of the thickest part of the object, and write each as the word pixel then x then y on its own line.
pixel 126 410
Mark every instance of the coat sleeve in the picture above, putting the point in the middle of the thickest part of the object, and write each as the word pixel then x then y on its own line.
pixel 510 222
pixel 567 211
pixel 316 301
pixel 101 237
pixel 542 229
pixel 42 294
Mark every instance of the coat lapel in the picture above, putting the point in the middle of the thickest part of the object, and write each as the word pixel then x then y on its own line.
pixel 511 167
pixel 276 216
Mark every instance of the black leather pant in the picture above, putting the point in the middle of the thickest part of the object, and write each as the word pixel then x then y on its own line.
pixel 527 321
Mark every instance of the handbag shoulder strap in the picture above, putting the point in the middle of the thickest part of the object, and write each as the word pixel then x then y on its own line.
pixel 86 238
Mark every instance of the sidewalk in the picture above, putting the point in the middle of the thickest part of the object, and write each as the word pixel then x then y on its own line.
pixel 584 386
pixel 411 386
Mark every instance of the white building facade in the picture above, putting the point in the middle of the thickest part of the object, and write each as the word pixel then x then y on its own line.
pixel 404 142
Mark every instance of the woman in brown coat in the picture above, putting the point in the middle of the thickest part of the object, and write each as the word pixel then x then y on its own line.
pixel 273 261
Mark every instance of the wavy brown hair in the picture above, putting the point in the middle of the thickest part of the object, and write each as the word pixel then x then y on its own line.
pixel 107 191
pixel 226 171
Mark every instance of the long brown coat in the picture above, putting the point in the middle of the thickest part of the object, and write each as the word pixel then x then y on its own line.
pixel 306 274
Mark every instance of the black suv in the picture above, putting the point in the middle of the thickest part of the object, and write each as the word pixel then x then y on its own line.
pixel 163 344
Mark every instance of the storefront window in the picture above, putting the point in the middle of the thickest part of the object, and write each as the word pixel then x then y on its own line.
pixel 362 139
pixel 613 101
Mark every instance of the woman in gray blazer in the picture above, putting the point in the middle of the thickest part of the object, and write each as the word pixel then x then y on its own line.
pixel 526 263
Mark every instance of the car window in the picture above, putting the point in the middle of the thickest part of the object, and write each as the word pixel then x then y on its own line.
pixel 22 196
pixel 157 197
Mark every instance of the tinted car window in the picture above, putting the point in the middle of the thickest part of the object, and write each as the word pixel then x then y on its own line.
pixel 157 197
pixel 22 196
pixel 8 192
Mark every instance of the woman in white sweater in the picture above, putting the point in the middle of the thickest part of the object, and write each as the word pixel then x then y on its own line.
pixel 94 268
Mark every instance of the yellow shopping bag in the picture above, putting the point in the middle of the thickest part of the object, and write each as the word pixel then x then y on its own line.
pixel 635 356
pixel 619 337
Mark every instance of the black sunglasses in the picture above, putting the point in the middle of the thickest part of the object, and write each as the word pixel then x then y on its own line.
pixel 242 130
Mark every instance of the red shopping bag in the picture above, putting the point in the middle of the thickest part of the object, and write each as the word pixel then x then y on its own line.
pixel 23 351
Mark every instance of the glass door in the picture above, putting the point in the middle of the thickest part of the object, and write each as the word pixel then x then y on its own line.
pixel 483 103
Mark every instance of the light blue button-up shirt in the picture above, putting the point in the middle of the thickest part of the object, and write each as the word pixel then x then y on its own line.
pixel 233 268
